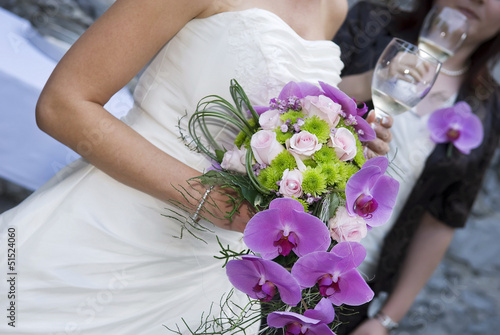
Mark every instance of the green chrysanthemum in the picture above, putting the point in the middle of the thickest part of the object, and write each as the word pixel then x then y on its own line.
pixel 284 160
pixel 281 136
pixel 325 155
pixel 242 138
pixel 329 172
pixel 310 163
pixel 345 171
pixel 292 116
pixel 318 127
pixel 337 176
pixel 350 169
pixel 359 159
pixel 313 181
pixel 269 177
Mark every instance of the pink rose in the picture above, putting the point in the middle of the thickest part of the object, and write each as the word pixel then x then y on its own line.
pixel 303 144
pixel 291 183
pixel 234 160
pixel 265 147
pixel 346 228
pixel 270 120
pixel 344 143
pixel 323 107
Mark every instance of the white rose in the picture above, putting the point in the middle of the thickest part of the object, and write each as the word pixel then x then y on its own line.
pixel 346 228
pixel 324 108
pixel 265 147
pixel 234 160
pixel 291 183
pixel 270 120
pixel 344 143
pixel 303 144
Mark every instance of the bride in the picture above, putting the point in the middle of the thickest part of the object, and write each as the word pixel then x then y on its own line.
pixel 94 253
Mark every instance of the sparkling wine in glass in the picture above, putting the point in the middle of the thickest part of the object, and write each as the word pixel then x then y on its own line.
pixel 403 76
pixel 443 32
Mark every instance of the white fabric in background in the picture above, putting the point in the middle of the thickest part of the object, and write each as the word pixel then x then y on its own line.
pixel 97 257
pixel 29 157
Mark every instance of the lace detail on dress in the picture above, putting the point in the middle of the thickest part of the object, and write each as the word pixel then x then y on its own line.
pixel 287 56
pixel 253 76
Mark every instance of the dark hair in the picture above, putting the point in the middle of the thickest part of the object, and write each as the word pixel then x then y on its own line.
pixel 408 24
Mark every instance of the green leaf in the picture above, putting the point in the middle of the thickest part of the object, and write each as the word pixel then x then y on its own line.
pixel 220 155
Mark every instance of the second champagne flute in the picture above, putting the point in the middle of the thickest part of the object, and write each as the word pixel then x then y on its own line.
pixel 443 32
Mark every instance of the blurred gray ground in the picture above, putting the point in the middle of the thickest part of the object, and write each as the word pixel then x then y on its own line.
pixel 463 295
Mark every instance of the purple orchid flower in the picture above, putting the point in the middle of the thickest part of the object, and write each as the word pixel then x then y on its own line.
pixel 313 322
pixel 285 227
pixel 260 279
pixel 349 106
pixel 371 194
pixel 323 311
pixel 299 90
pixel 456 124
pixel 335 273
pixel 259 109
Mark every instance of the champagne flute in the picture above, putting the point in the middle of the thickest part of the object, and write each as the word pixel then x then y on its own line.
pixel 403 76
pixel 443 32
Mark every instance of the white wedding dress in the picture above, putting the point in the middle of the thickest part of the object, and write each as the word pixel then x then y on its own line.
pixel 93 256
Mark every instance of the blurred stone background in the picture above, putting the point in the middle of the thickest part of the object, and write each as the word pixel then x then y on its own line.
pixel 463 295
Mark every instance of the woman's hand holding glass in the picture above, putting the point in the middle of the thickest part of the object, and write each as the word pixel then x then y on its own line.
pixel 380 145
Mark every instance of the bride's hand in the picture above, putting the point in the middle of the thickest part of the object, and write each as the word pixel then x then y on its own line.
pixel 380 145
pixel 370 327
pixel 219 203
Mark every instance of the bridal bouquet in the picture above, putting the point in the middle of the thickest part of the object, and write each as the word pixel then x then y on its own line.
pixel 299 162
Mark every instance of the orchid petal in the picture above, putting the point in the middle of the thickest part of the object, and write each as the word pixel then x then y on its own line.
pixel 351 255
pixel 385 191
pixel 308 269
pixel 285 217
pixel 363 110
pixel 323 311
pixel 260 109
pixel 368 133
pixel 360 183
pixel 281 319
pixel 299 90
pixel 335 273
pixel 472 135
pixel 350 107
pixel 246 273
pixel 438 124
pixel 290 319
pixel 348 104
pixel 354 290
pixel 320 329
pixel 381 162
pixel 459 121
pixel 371 187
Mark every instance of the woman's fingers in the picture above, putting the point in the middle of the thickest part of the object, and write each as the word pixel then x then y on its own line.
pixel 377 147
pixel 380 145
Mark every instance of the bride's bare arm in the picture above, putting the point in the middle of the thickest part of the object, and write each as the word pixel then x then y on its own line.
pixel 101 62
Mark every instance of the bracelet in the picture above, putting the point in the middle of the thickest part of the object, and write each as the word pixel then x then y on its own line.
pixel 195 216
pixel 386 321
